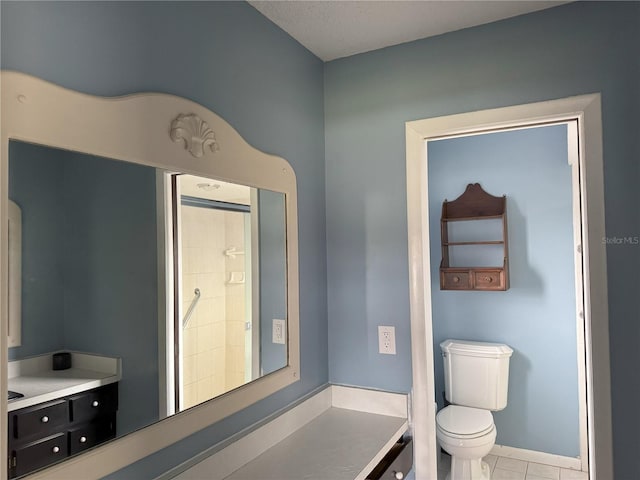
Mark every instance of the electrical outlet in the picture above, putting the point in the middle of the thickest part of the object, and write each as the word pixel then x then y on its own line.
pixel 278 332
pixel 387 340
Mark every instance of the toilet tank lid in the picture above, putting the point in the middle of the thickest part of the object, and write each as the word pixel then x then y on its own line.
pixel 476 349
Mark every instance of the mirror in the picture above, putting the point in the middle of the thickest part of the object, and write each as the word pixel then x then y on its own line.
pixel 90 273
pixel 182 280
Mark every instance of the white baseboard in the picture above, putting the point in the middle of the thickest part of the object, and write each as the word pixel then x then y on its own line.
pixel 573 463
pixel 370 401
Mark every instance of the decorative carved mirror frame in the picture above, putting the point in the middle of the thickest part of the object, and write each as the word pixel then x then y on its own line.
pixel 161 131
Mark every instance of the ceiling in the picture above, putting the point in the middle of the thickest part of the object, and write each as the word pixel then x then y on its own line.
pixel 201 187
pixel 338 28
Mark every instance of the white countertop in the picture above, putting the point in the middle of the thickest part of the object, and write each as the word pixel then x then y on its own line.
pixel 34 378
pixel 338 433
pixel 339 445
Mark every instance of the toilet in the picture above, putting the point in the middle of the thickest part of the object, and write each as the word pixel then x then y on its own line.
pixel 476 376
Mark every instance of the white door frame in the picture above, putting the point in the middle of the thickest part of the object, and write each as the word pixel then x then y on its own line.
pixel 586 109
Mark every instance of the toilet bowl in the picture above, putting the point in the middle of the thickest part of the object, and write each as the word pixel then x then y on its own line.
pixel 467 434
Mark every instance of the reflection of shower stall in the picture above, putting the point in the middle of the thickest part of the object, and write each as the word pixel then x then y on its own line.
pixel 213 318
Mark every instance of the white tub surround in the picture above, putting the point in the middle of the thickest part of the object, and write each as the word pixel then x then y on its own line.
pixel 34 378
pixel 340 433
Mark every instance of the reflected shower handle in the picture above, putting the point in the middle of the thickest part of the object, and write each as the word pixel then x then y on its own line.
pixel 194 302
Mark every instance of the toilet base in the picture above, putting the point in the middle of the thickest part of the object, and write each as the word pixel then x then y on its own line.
pixel 467 452
pixel 469 469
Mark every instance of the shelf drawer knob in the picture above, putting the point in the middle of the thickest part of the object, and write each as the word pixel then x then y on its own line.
pixel 95 403
pixel 83 439
pixel 455 280
pixel 44 419
pixel 55 449
pixel 488 279
pixel 399 475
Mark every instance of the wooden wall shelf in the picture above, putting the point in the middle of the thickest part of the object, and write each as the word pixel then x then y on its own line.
pixel 474 204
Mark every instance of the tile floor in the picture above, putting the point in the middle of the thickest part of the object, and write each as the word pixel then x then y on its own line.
pixel 503 468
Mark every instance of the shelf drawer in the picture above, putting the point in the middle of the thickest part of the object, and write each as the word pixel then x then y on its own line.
pixel 474 278
pixel 93 404
pixel 40 420
pixel 92 434
pixel 396 463
pixel 488 280
pixel 456 280
pixel 32 456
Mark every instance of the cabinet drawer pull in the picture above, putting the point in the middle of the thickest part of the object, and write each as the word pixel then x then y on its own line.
pixel 95 403
pixel 455 280
pixel 83 439
pixel 44 419
pixel 55 449
pixel 399 475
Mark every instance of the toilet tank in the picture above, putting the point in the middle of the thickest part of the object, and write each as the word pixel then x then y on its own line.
pixel 476 374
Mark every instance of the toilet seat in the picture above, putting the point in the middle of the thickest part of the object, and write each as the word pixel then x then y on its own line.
pixel 464 422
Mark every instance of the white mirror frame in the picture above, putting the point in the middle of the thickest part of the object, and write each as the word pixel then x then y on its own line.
pixel 148 129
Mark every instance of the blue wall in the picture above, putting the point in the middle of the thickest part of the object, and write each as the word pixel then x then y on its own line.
pixel 537 315
pixel 582 47
pixel 228 57
pixel 41 202
pixel 111 275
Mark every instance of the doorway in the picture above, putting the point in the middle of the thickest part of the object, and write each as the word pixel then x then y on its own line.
pixel 588 192
pixel 540 315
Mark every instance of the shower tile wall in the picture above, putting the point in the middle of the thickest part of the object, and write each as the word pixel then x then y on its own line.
pixel 210 339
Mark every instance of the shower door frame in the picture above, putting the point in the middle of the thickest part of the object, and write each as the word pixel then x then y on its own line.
pixel 170 296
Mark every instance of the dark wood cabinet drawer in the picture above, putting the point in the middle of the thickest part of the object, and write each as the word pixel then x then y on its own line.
pixel 49 432
pixel 396 463
pixel 456 280
pixel 41 453
pixel 93 404
pixel 39 420
pixel 91 434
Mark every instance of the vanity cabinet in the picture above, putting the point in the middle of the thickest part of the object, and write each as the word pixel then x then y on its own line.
pixel 396 464
pixel 474 207
pixel 48 432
